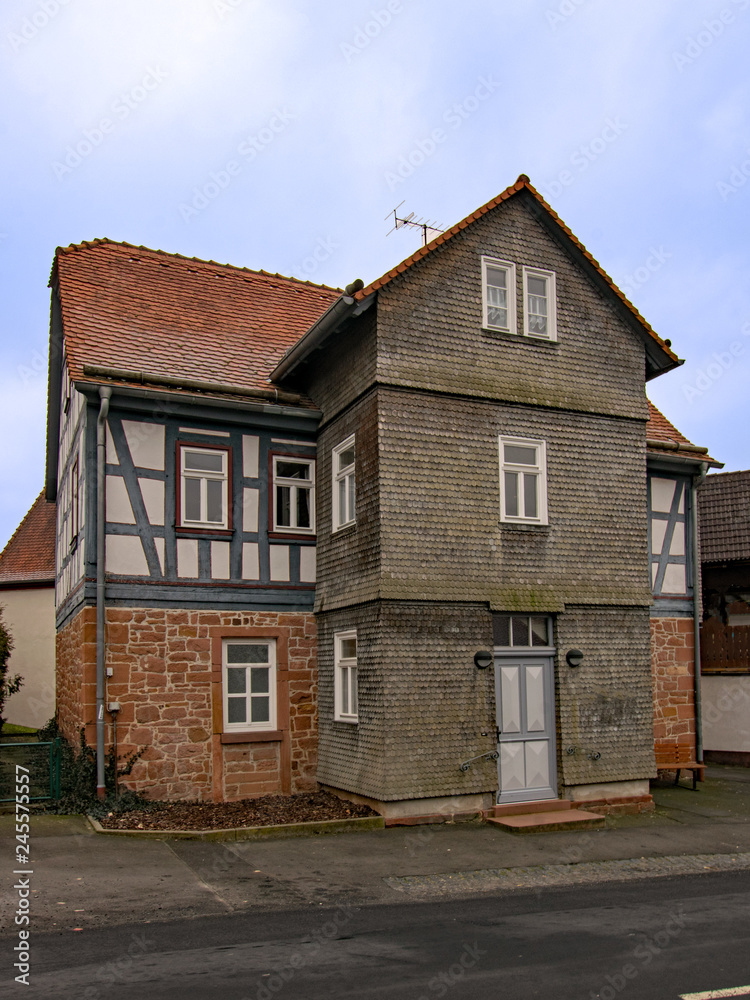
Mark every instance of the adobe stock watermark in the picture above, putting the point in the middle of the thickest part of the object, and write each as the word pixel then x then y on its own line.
pixel 738 178
pixel 644 953
pixel 721 363
pixel 247 151
pixel 121 109
pixel 222 8
pixel 454 116
pixel 585 155
pixel 364 35
pixel 564 10
pixel 445 980
pixel 711 29
pixel 31 26
pixel 655 261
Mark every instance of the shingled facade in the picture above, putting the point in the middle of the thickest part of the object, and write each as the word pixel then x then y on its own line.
pixel 483 520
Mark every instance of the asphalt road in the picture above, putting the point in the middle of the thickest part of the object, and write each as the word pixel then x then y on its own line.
pixel 647 940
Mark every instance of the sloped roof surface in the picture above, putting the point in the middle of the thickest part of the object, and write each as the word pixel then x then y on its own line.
pixel 724 516
pixel 660 429
pixel 29 556
pixel 136 309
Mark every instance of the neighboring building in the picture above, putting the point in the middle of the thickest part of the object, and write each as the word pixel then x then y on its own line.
pixel 27 597
pixel 724 502
pixel 481 431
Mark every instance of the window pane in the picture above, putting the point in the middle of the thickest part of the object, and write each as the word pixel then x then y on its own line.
pixel 348 649
pixel 501 630
pixel 539 631
pixel 354 698
pixel 259 677
pixel 498 277
pixel 260 710
pixel 517 454
pixel 537 286
pixel 247 653
pixel 203 461
pixel 511 494
pixel 342 501
pixel 346 458
pixel 537 324
pixel 293 470
pixel 192 499
pixel 529 495
pixel 303 508
pixel 214 500
pixel 350 491
pixel 344 690
pixel 520 630
pixel 236 710
pixel 236 677
pixel 283 512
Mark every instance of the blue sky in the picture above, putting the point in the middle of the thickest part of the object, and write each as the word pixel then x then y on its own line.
pixel 278 134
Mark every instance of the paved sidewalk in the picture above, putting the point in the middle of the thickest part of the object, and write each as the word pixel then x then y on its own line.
pixel 81 879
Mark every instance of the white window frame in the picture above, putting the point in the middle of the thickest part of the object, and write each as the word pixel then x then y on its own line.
pixel 204 476
pixel 248 726
pixel 550 278
pixel 510 270
pixel 345 668
pixel 340 520
pixel 540 469
pixel 294 485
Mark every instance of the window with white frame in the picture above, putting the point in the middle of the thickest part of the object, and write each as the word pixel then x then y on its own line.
pixel 294 494
pixel 499 295
pixel 249 684
pixel 204 482
pixel 343 484
pixel 523 480
pixel 540 305
pixel 75 510
pixel 345 672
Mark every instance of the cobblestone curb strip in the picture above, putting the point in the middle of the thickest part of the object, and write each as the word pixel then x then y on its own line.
pixel 583 873
pixel 252 832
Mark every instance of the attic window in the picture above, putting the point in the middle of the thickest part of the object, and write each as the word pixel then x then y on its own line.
pixel 540 307
pixel 499 295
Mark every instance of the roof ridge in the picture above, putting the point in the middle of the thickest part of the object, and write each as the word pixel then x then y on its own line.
pixel 105 240
pixel 20 525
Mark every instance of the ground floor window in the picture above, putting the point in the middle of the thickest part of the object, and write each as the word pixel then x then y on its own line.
pixel 249 684
pixel 345 672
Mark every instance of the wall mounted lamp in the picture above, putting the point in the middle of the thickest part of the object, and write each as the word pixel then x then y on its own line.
pixel 483 659
pixel 574 657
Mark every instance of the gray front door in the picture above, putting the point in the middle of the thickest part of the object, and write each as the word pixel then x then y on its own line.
pixel 526 764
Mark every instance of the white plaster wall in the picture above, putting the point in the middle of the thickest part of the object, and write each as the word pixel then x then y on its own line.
pixel 726 712
pixel 30 616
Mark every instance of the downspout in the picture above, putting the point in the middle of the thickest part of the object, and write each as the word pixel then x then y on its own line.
pixel 697 480
pixel 105 394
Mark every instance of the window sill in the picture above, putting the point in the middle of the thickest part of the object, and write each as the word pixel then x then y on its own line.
pixel 257 736
pixel 348 722
pixel 527 337
pixel 291 536
pixel 525 526
pixel 203 532
pixel 343 530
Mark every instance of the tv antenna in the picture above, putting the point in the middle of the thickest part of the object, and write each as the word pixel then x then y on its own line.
pixel 424 224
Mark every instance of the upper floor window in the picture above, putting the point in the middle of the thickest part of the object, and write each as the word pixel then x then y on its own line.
pixel 499 295
pixel 343 484
pixel 249 683
pixel 204 486
pixel 346 706
pixel 511 631
pixel 523 480
pixel 293 494
pixel 540 306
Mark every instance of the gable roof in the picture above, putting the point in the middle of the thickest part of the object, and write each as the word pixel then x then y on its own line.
pixel 663 438
pixel 146 312
pixel 724 509
pixel 658 350
pixel 29 556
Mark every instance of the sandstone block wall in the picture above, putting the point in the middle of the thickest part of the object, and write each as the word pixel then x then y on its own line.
pixel 673 667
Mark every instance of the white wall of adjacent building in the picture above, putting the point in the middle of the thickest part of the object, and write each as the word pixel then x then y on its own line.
pixel 726 712
pixel 29 614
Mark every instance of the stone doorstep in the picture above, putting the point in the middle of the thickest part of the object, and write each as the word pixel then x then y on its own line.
pixel 547 822
pixel 251 832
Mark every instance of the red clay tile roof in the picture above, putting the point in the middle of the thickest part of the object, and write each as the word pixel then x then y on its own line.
pixel 523 183
pixel 135 309
pixel 724 517
pixel 660 429
pixel 29 557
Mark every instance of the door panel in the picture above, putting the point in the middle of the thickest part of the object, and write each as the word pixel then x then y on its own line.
pixel 526 723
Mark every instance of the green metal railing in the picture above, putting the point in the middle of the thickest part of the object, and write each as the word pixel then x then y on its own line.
pixel 42 761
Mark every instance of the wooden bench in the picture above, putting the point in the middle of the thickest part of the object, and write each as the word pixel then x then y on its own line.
pixel 674 756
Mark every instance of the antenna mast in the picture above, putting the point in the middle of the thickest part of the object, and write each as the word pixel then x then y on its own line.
pixel 424 224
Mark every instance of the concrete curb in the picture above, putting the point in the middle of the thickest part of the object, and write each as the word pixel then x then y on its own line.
pixel 252 832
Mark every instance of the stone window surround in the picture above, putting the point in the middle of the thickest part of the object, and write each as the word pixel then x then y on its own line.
pixel 281 733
